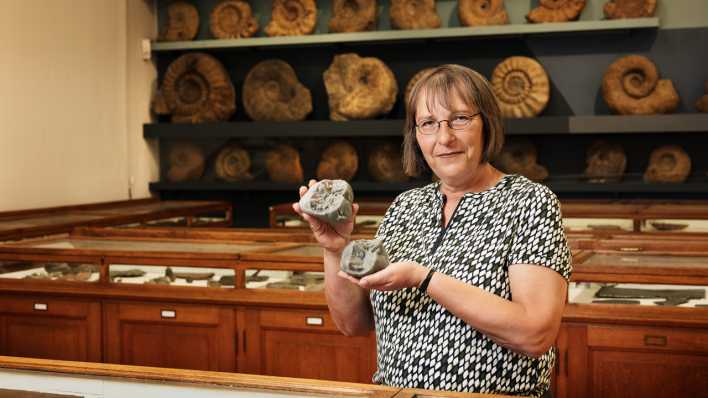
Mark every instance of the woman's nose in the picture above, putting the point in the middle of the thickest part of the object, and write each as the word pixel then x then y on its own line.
pixel 445 134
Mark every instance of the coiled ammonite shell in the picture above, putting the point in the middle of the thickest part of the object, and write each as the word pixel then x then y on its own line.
pixel 385 164
pixel 519 157
pixel 283 164
pixel 414 14
pixel 182 22
pixel 605 162
pixel 556 11
pixel 353 15
pixel 233 163
pixel 339 162
pixel 185 162
pixel 631 86
pixel 409 87
pixel 615 9
pixel 292 18
pixel 272 92
pixel 482 12
pixel 669 163
pixel 196 88
pixel 359 88
pixel 702 103
pixel 521 86
pixel 232 19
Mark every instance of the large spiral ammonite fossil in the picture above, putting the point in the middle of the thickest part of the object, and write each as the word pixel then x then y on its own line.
pixel 339 162
pixel 353 15
pixel 232 19
pixel 482 12
pixel 185 162
pixel 702 103
pixel 631 86
pixel 182 22
pixel 233 163
pixel 283 165
pixel 519 157
pixel 292 18
pixel 196 88
pixel 521 86
pixel 409 86
pixel 414 14
pixel 556 11
pixel 385 163
pixel 359 88
pixel 272 92
pixel 605 162
pixel 615 9
pixel 669 163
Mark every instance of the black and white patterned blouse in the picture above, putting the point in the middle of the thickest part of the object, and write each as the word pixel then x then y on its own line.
pixel 421 344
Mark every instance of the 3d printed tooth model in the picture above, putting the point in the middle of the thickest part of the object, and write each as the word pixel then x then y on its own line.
pixel 364 257
pixel 329 201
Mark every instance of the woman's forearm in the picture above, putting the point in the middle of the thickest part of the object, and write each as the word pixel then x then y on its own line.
pixel 348 303
pixel 528 327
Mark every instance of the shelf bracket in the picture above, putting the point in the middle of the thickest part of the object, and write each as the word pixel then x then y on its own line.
pixel 146 49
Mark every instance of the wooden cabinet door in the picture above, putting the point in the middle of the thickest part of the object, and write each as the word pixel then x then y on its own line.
pixel 50 328
pixel 642 362
pixel 307 344
pixel 171 335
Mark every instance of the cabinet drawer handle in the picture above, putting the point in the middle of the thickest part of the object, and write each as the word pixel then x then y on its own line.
pixel 40 306
pixel 657 341
pixel 630 249
pixel 168 314
pixel 314 321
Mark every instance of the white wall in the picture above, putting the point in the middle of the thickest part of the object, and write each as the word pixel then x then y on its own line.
pixel 66 136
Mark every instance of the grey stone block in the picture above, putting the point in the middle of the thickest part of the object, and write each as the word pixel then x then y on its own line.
pixel 364 257
pixel 329 201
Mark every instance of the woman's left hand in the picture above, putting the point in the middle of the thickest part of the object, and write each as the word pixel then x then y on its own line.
pixel 396 276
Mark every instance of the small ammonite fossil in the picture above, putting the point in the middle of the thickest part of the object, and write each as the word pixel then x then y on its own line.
pixel 668 163
pixel 615 9
pixel 702 103
pixel 556 11
pixel 182 22
pixel 292 18
pixel 272 92
pixel 482 12
pixel 359 88
pixel 185 162
pixel 606 162
pixel 233 163
pixel 519 156
pixel 329 201
pixel 339 162
pixel 283 164
pixel 631 86
pixel 385 163
pixel 232 19
pixel 353 16
pixel 521 86
pixel 414 14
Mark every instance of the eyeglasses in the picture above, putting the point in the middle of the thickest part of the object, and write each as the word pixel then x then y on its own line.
pixel 459 122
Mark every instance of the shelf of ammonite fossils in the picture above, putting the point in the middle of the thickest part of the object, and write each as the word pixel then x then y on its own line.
pixel 414 34
pixel 558 184
pixel 274 186
pixel 599 124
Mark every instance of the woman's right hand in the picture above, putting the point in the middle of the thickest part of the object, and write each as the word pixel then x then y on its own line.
pixel 330 238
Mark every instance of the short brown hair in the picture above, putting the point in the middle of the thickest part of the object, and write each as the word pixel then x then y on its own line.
pixel 474 90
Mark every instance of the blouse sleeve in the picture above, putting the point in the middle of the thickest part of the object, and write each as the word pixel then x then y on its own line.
pixel 539 238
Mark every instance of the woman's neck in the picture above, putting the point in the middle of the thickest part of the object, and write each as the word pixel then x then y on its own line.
pixel 486 177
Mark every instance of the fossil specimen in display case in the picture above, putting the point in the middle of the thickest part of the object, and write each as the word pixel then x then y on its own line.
pixel 414 14
pixel 359 88
pixel 233 163
pixel 668 163
pixel 185 162
pixel 385 163
pixel 521 86
pixel 482 12
pixel 182 22
pixel 232 19
pixel 329 201
pixel 353 15
pixel 615 9
pixel 292 18
pixel 519 157
pixel 283 165
pixel 272 92
pixel 556 11
pixel 605 162
pixel 631 86
pixel 339 162
pixel 364 257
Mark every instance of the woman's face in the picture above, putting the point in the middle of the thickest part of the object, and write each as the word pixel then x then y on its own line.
pixel 453 155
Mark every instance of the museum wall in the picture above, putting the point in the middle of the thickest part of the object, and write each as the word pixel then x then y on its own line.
pixel 74 97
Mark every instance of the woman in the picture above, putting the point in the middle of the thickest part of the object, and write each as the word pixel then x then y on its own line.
pixel 473 298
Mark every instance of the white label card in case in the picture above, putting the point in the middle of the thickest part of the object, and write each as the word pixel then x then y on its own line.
pixel 40 306
pixel 168 314
pixel 314 320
